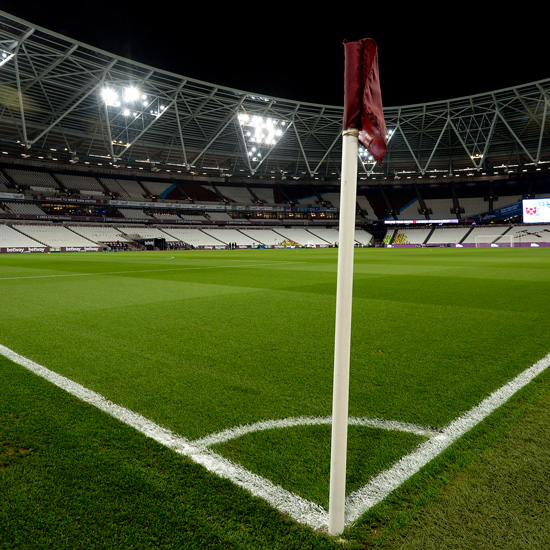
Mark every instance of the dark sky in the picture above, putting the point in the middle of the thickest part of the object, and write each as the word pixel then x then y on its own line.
pixel 424 54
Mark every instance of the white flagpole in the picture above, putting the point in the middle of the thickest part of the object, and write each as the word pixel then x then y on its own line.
pixel 344 287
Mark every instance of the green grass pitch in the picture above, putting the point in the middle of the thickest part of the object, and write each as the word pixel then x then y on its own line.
pixel 203 341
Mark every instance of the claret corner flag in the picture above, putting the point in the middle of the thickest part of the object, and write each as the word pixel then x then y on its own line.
pixel 362 96
pixel 363 123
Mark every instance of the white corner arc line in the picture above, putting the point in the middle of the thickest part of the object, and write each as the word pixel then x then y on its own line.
pixel 289 503
pixel 380 423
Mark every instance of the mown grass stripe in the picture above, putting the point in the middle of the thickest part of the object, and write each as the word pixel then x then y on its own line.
pixel 130 271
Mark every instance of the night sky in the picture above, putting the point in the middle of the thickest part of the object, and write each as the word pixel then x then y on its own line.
pixel 424 54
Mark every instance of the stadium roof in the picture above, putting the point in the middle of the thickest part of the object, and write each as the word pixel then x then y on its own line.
pixel 53 106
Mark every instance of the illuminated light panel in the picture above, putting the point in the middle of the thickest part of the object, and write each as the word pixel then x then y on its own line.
pixel 260 133
pixel 5 56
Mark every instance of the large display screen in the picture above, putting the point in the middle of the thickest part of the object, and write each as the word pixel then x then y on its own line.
pixel 536 210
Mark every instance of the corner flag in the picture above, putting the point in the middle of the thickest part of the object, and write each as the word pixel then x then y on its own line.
pixel 364 121
pixel 362 96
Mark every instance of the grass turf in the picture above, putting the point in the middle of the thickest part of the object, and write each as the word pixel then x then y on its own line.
pixel 204 341
pixel 74 478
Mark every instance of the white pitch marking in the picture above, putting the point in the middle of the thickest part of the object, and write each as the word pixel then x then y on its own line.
pixel 383 484
pixel 298 508
pixel 185 268
pixel 289 503
pixel 238 431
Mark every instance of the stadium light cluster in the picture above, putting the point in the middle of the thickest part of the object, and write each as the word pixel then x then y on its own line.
pixel 260 133
pixel 131 101
pixel 128 113
pixel 5 56
pixel 128 98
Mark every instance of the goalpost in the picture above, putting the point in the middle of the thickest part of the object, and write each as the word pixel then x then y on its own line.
pixel 494 240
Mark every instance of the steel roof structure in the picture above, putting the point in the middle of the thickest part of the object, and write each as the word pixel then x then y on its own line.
pixel 50 95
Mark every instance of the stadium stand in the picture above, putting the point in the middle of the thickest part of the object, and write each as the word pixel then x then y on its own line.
pixel 196 238
pixel 327 234
pixel 266 237
pixel 237 194
pixel 296 215
pixel 114 188
pixel 84 185
pixel 5 185
pixel 484 231
pixel 228 236
pixel 472 206
pixel 134 213
pixel 332 198
pixel 363 237
pixel 24 208
pixel 412 235
pixel 54 236
pixel 101 234
pixel 133 190
pixel 219 216
pixel 10 237
pixel 366 207
pixel 215 227
pixel 439 209
pixel 200 193
pixel 537 234
pixel 157 189
pixel 34 180
pixel 410 211
pixel 448 235
pixel 161 215
pixel 300 236
pixel 264 194
pixel 142 232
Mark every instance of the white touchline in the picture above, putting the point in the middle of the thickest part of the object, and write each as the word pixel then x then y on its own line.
pixel 298 508
pixel 383 484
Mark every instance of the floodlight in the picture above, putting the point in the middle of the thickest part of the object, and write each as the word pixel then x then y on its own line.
pixel 5 56
pixel 260 134
pixel 110 96
pixel 131 94
pixel 243 118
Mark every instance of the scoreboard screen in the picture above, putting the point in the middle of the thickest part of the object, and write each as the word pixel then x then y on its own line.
pixel 536 210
